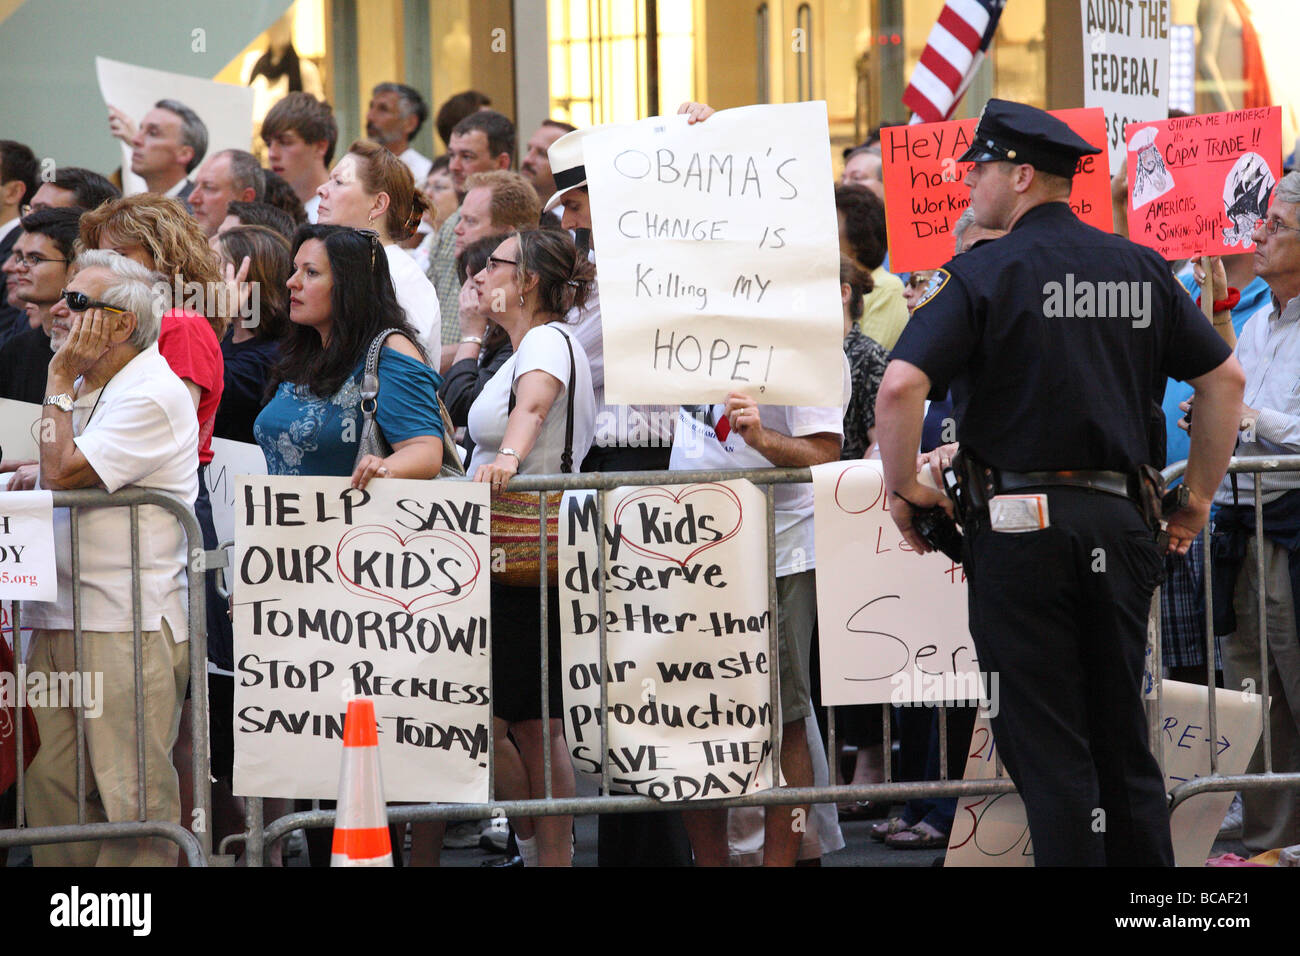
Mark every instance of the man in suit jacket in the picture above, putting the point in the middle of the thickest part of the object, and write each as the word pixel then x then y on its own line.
pixel 18 183
pixel 168 146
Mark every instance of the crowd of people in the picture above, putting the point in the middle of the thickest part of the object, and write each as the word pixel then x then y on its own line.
pixel 473 286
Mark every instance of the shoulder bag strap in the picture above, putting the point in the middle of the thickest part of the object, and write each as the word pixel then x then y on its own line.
pixel 566 456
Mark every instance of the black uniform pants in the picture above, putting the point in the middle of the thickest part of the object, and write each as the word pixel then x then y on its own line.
pixel 1060 615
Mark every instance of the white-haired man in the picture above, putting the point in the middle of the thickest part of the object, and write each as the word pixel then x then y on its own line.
pixel 115 416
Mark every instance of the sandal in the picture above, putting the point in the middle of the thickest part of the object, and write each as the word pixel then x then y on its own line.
pixel 879 831
pixel 920 837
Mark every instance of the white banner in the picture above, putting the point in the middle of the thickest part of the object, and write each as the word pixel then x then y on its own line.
pixel 717 257
pixel 381 593
pixel 687 622
pixel 20 424
pixel 27 567
pixel 1125 65
pixel 229 459
pixel 226 110
pixel 892 623
pixel 993 831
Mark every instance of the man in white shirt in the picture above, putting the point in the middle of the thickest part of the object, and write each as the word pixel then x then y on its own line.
pixel 396 113
pixel 116 416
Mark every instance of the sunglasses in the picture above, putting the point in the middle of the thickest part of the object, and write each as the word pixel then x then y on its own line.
pixel 80 302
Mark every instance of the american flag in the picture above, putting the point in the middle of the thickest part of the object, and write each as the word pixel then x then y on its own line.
pixel 952 54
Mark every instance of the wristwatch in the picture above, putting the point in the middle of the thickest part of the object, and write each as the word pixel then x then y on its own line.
pixel 513 454
pixel 62 401
pixel 472 340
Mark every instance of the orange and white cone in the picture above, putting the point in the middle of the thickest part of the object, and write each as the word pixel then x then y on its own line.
pixel 361 821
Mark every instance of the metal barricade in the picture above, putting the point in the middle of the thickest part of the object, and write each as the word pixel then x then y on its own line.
pixel 196 844
pixel 259 835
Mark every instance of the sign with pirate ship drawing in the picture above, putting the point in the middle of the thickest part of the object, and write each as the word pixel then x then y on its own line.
pixel 1199 185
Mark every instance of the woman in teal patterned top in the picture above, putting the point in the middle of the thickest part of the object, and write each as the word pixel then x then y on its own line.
pixel 341 297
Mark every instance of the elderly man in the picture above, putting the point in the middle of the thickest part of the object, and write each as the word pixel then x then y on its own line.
pixel 396 113
pixel 168 146
pixel 116 416
pixel 231 175
pixel 1269 351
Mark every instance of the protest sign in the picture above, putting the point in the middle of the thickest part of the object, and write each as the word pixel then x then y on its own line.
pixel 381 593
pixel 229 459
pixel 717 257
pixel 1198 185
pixel 687 624
pixel 993 831
pixel 1125 65
pixel 226 110
pixel 20 424
pixel 925 191
pixel 27 568
pixel 892 623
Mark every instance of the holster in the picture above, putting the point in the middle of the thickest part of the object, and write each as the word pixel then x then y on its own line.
pixel 1150 494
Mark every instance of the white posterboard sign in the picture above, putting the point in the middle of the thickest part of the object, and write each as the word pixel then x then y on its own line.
pixel 20 424
pixel 993 830
pixel 226 110
pixel 229 460
pixel 1125 65
pixel 717 257
pixel 381 593
pixel 687 624
pixel 892 623
pixel 27 568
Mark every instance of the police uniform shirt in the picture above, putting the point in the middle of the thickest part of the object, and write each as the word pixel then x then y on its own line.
pixel 1053 365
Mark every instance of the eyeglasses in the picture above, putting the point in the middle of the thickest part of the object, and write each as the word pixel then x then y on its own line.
pixel 32 260
pixel 80 302
pixel 1272 224
pixel 493 262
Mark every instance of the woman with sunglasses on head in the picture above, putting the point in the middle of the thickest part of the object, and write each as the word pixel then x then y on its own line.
pixel 370 188
pixel 537 415
pixel 256 263
pixel 340 298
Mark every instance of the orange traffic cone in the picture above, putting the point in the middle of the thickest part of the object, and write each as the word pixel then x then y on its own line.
pixel 361 821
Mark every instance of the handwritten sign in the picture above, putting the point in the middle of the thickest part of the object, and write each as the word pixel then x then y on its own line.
pixel 892 623
pixel 229 460
pixel 993 830
pixel 1125 65
pixel 687 623
pixel 1198 185
pixel 27 568
pixel 381 593
pixel 925 193
pixel 20 424
pixel 717 257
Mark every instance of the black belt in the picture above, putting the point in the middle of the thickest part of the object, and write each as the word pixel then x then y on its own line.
pixel 1107 482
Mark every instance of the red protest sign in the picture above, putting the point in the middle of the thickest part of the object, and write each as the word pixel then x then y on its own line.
pixel 1197 185
pixel 924 192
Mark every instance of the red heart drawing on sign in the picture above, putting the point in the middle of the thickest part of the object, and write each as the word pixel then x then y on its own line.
pixel 678 498
pixel 391 567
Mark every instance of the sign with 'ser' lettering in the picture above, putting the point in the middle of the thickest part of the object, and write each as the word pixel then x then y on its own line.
pixel 1125 65
pixel 27 568
pixel 1199 185
pixel 229 459
pixel 687 629
pixel 892 623
pixel 925 192
pixel 717 257
pixel 382 593
pixel 993 830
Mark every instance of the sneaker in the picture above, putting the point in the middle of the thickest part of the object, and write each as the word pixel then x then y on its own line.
pixel 463 835
pixel 1231 828
pixel 495 835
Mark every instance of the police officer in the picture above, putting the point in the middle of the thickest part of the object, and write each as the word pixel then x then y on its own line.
pixel 1056 377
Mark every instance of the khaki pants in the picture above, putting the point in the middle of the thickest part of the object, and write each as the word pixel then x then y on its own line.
pixel 1270 818
pixel 111 776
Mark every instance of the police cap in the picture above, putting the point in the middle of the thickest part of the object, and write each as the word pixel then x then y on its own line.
pixel 1023 134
